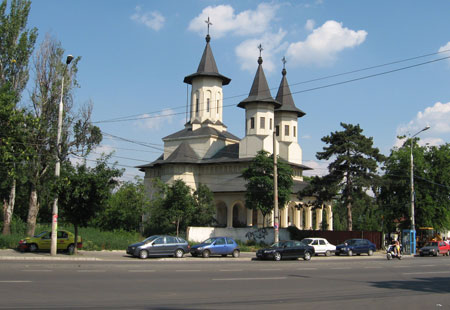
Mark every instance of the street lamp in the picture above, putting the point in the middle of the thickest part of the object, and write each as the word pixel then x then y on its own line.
pixel 53 246
pixel 413 225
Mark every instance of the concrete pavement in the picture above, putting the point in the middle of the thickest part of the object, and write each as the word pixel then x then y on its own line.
pixel 10 254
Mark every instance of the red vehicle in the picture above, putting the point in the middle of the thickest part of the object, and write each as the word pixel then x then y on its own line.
pixel 435 248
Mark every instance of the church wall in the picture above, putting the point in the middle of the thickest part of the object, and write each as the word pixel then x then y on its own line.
pixel 205 88
pixel 291 152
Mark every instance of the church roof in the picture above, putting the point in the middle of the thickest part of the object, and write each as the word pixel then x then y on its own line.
pixel 207 66
pixel 203 131
pixel 183 154
pixel 284 96
pixel 260 91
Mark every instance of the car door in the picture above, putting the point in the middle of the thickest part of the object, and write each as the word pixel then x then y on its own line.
pixel 63 240
pixel 322 246
pixel 219 246
pixel 171 245
pixel 45 242
pixel 229 246
pixel 158 246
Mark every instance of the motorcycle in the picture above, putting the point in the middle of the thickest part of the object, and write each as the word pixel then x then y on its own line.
pixel 392 253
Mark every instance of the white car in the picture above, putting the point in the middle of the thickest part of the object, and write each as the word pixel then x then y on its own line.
pixel 321 245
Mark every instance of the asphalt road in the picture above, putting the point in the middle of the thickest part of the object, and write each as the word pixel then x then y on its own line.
pixel 322 283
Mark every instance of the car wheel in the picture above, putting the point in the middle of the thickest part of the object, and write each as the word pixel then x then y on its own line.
pixel 435 254
pixel 206 253
pixel 350 253
pixel 143 254
pixel 179 253
pixel 236 253
pixel 307 256
pixel 194 255
pixel 370 253
pixel 277 256
pixel 33 247
pixel 328 253
pixel 71 249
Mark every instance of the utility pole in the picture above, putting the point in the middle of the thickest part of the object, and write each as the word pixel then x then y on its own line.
pixel 276 223
pixel 54 245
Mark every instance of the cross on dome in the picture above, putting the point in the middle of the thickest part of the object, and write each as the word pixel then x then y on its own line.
pixel 208 22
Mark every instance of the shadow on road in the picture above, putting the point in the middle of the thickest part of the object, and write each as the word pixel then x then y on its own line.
pixel 430 285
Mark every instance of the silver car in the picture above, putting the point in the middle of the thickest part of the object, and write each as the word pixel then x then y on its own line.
pixel 159 246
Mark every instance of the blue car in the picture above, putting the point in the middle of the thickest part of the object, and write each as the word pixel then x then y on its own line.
pixel 355 246
pixel 216 246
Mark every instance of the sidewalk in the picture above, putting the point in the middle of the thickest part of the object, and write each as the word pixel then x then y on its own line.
pixel 10 254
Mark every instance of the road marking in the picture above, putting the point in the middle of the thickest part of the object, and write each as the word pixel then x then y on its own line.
pixel 140 270
pixel 269 269
pixel 340 268
pixel 426 272
pixel 249 279
pixel 306 268
pixel 37 270
pixel 372 267
pixel 91 271
pixel 427 265
pixel 16 281
pixel 187 270
pixel 225 270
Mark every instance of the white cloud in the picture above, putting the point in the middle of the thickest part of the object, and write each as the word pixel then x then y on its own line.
pixel 436 116
pixel 248 53
pixel 225 20
pixel 310 23
pixel 319 168
pixel 153 20
pixel 156 121
pixel 324 43
pixel 446 48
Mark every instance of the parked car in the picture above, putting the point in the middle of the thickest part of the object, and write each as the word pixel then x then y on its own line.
pixel 355 246
pixel 159 246
pixel 434 248
pixel 320 245
pixel 43 241
pixel 289 249
pixel 216 246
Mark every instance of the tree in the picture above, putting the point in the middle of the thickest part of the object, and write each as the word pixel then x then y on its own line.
pixel 204 207
pixel 259 177
pixel 78 133
pixel 125 208
pixel 431 184
pixel 356 161
pixel 16 47
pixel 83 192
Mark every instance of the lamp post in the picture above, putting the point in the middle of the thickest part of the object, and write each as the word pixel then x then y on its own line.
pixel 413 224
pixel 53 246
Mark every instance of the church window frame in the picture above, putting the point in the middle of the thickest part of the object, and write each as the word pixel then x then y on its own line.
pixel 286 130
pixel 295 131
pixel 252 123
pixel 270 123
pixel 207 105
pixel 277 130
pixel 262 122
pixel 197 103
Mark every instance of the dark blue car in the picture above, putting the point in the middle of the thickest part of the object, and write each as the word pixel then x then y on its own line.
pixel 216 246
pixel 355 246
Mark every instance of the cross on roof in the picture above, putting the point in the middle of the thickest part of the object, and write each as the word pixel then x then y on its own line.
pixel 260 49
pixel 283 60
pixel 208 23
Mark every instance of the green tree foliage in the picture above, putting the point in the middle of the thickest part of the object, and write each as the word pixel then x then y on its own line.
pixel 16 44
pixel 431 184
pixel 259 177
pixel 355 163
pixel 174 207
pixel 83 192
pixel 125 208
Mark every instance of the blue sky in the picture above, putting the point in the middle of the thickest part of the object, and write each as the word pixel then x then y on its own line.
pixel 135 55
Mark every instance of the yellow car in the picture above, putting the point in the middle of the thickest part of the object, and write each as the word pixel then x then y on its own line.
pixel 42 241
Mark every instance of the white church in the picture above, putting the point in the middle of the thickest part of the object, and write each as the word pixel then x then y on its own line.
pixel 204 152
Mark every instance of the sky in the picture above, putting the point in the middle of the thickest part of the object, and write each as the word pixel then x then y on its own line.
pixel 378 64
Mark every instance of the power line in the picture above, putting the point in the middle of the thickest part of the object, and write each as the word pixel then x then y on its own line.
pixel 135 116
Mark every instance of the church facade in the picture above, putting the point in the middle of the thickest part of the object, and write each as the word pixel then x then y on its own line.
pixel 204 152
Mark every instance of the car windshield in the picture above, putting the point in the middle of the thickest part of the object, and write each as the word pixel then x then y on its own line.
pixel 40 235
pixel 431 244
pixel 306 241
pixel 150 239
pixel 209 241
pixel 279 244
pixel 350 241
